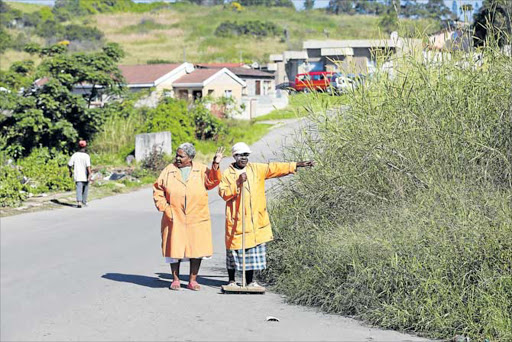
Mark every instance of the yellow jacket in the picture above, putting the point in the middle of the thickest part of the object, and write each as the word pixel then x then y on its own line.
pixel 186 225
pixel 257 222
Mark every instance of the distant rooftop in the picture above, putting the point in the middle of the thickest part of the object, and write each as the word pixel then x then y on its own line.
pixel 146 73
pixel 355 43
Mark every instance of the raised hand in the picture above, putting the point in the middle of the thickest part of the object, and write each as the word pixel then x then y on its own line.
pixel 218 155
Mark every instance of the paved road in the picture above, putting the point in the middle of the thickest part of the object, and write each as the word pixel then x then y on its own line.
pixel 96 274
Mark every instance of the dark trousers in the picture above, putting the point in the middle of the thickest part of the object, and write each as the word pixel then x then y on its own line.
pixel 82 188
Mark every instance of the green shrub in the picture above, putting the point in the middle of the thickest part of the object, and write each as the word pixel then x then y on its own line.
pixel 47 171
pixel 144 26
pixel 207 126
pixel 406 219
pixel 172 116
pixel 250 28
pixel 11 189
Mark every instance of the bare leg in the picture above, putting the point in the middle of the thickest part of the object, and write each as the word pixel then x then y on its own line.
pixel 195 264
pixel 194 268
pixel 175 269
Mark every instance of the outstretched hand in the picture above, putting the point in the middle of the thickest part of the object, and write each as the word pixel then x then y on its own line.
pixel 309 163
pixel 218 155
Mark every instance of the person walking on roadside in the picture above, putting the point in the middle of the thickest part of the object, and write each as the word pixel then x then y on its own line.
pixel 180 193
pixel 249 178
pixel 79 166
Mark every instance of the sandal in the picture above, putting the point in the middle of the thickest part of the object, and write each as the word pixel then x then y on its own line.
pixel 194 286
pixel 175 285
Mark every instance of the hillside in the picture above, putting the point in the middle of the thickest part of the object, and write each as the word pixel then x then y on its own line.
pixel 187 31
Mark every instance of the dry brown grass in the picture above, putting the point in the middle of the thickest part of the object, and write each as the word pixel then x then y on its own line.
pixel 110 23
pixel 11 56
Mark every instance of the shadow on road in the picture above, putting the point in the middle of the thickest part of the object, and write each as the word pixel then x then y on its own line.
pixel 56 201
pixel 152 282
pixel 159 282
pixel 206 280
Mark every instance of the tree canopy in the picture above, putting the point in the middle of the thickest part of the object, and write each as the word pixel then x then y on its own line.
pixel 50 114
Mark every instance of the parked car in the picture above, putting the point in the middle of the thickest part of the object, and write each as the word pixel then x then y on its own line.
pixel 311 81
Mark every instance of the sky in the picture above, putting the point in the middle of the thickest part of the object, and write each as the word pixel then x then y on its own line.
pixel 451 4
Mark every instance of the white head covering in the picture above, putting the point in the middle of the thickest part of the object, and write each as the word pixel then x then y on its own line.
pixel 240 148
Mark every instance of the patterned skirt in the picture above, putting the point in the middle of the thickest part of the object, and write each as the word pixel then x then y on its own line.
pixel 255 258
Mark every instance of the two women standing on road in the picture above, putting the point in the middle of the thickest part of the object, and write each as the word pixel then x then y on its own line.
pixel 180 193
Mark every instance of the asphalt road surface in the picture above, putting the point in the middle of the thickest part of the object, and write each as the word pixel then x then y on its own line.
pixel 96 274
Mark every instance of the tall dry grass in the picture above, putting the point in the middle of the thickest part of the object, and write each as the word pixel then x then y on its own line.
pixel 406 221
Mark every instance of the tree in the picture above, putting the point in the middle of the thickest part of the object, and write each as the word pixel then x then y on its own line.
pixel 51 115
pixel 267 3
pixel 5 40
pixel 493 22
pixel 341 6
pixel 436 9
pixel 309 4
pixel 389 22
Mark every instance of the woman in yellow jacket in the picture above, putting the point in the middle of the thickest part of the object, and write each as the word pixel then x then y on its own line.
pixel 180 193
pixel 257 224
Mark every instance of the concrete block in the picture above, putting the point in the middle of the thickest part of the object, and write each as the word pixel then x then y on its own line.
pixel 144 144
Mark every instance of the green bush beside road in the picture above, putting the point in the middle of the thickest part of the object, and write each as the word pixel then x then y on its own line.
pixel 406 221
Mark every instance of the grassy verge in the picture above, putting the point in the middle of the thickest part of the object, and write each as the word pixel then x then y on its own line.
pixel 406 221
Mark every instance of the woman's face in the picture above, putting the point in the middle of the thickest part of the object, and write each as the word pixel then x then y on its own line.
pixel 241 160
pixel 182 159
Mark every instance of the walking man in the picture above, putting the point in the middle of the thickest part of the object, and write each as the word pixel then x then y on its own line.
pixel 80 169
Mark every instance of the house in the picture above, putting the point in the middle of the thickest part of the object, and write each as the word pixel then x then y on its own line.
pixel 347 56
pixel 209 82
pixel 258 82
pixel 155 78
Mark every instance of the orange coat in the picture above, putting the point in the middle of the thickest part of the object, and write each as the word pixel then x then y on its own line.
pixel 186 225
pixel 257 222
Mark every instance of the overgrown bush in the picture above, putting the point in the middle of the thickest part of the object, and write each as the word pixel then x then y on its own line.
pixel 117 134
pixel 155 161
pixel 250 28
pixel 207 126
pixel 11 188
pixel 46 171
pixel 406 221
pixel 171 115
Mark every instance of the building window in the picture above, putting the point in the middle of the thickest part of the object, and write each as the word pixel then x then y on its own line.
pixel 228 93
pixel 210 92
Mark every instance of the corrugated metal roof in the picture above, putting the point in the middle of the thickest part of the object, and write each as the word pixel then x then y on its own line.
pixel 337 52
pixel 276 57
pixel 355 43
pixel 295 55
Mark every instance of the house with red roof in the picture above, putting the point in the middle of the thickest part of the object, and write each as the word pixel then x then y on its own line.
pixel 209 82
pixel 258 82
pixel 155 77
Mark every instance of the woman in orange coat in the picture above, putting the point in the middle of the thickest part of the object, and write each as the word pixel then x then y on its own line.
pixel 249 178
pixel 180 193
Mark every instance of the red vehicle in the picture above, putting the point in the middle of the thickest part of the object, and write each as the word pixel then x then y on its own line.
pixel 314 80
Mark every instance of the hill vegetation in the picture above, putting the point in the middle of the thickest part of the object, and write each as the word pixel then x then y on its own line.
pixel 174 32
